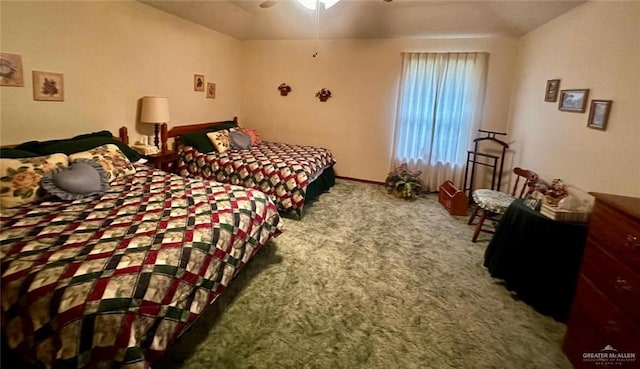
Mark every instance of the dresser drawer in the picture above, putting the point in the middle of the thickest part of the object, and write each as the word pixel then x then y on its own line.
pixel 607 320
pixel 617 233
pixel 620 284
pixel 581 338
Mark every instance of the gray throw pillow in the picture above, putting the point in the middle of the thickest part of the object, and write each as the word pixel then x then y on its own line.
pixel 82 178
pixel 239 140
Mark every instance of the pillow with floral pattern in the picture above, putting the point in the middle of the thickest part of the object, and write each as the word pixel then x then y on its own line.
pixel 220 140
pixel 20 178
pixel 114 162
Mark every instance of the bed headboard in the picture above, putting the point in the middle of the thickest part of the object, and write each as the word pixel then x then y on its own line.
pixel 177 131
pixel 123 135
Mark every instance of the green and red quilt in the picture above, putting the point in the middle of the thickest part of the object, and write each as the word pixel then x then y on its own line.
pixel 112 281
pixel 282 171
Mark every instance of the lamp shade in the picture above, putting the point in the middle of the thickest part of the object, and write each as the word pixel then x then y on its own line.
pixel 154 110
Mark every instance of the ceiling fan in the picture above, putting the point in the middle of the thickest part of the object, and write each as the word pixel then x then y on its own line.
pixel 307 3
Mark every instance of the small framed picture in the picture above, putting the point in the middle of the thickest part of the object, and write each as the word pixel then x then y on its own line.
pixel 211 90
pixel 198 82
pixel 48 86
pixel 11 70
pixel 551 93
pixel 573 100
pixel 599 114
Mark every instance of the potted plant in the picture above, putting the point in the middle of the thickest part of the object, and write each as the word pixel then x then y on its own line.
pixel 404 183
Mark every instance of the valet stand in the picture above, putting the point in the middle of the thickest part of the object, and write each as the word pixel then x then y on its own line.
pixel 475 157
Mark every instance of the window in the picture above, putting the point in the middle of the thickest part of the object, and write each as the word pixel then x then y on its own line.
pixel 439 106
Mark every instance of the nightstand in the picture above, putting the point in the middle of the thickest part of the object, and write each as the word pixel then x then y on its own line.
pixel 165 160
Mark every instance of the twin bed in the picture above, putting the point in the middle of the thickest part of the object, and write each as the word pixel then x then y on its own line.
pixel 113 280
pixel 291 175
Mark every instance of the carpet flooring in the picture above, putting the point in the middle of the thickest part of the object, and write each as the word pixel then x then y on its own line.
pixel 366 280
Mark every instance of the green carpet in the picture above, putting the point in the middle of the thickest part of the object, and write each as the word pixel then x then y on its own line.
pixel 366 280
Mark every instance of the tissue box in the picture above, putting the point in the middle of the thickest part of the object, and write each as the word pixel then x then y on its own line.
pixel 145 149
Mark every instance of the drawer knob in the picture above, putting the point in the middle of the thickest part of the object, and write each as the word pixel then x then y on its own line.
pixel 622 285
pixel 632 241
pixel 612 326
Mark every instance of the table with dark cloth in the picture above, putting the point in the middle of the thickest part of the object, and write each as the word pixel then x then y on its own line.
pixel 537 257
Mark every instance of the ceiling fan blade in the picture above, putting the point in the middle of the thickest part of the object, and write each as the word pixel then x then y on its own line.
pixel 268 3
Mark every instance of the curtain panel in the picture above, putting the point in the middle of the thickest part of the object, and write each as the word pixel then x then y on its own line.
pixel 440 105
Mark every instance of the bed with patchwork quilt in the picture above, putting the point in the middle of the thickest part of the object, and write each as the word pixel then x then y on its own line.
pixel 291 175
pixel 112 280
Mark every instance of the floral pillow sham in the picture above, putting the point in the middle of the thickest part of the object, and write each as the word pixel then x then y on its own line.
pixel 220 140
pixel 20 178
pixel 114 162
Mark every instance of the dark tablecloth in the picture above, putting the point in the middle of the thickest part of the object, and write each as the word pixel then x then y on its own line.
pixel 538 258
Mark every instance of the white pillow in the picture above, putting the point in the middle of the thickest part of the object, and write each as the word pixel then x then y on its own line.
pixel 220 140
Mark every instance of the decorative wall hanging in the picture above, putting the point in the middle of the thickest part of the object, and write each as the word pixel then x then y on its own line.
pixel 11 70
pixel 284 89
pixel 198 82
pixel 48 86
pixel 324 94
pixel 211 90
pixel 599 114
pixel 551 93
pixel 573 100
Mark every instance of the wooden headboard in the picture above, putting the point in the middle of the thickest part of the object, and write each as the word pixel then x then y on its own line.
pixel 177 131
pixel 124 135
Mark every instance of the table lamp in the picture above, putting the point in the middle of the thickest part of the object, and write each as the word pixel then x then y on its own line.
pixel 155 110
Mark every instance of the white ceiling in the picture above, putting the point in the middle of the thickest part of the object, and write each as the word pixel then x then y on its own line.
pixel 287 19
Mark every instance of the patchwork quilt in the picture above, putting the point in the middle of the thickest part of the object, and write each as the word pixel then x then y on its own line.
pixel 282 171
pixel 112 281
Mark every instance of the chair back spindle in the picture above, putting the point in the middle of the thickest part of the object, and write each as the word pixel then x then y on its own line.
pixel 531 179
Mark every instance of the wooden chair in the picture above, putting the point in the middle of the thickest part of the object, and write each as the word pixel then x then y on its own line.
pixel 493 203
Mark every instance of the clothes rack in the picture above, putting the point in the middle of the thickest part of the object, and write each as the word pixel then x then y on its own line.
pixel 476 157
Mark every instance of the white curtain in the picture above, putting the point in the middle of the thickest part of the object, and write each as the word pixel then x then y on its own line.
pixel 439 109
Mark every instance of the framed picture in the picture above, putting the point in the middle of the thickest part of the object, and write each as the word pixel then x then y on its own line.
pixel 574 100
pixel 198 82
pixel 551 93
pixel 599 114
pixel 211 90
pixel 48 86
pixel 11 70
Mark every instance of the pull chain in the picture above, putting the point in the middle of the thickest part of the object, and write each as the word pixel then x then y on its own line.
pixel 317 26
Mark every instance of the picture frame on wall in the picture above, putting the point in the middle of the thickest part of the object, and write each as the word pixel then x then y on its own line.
pixel 198 82
pixel 48 86
pixel 11 70
pixel 211 90
pixel 551 92
pixel 599 114
pixel 574 100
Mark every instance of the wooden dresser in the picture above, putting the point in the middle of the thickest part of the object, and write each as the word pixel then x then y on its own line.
pixel 606 307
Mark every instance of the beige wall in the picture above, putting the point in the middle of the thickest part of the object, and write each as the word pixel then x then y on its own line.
pixel 357 123
pixel 594 46
pixel 111 54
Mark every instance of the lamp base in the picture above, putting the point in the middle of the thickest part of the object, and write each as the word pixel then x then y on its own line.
pixel 156 139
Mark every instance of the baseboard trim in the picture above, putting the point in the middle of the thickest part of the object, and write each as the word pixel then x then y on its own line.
pixel 361 180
